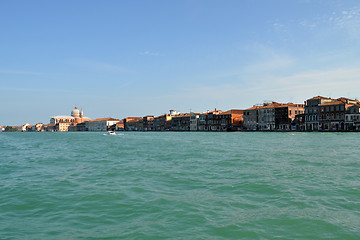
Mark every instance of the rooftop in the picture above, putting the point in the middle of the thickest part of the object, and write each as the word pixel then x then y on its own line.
pixel 105 119
pixel 318 97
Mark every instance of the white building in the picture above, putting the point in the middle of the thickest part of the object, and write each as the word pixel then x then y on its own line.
pixel 101 124
pixel 2 129
pixel 22 128
pixel 194 119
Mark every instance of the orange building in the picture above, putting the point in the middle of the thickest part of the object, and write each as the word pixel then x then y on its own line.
pixel 63 122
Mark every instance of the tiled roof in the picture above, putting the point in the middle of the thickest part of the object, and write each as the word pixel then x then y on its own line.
pixel 233 111
pixel 129 118
pixel 318 97
pixel 182 115
pixel 105 119
pixel 336 102
pixel 275 105
pixel 253 107
pixel 133 120
pixel 344 98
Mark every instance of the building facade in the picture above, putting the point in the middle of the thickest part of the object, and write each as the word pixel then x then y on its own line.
pixel 133 124
pixel 194 121
pixel 251 118
pixel 285 116
pixel 100 124
pixel 180 122
pixel 64 122
pixel 332 114
pixel 148 123
pixel 352 118
pixel 312 112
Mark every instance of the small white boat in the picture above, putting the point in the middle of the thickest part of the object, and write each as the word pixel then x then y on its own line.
pixel 111 133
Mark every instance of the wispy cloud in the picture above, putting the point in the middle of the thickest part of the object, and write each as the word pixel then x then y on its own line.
pixel 275 63
pixel 100 66
pixel 279 26
pixel 34 90
pixel 295 87
pixel 346 20
pixel 341 81
pixel 149 53
pixel 19 72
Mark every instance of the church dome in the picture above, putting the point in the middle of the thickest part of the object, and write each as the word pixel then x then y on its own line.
pixel 75 112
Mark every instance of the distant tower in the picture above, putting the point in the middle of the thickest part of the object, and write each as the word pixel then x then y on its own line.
pixel 81 113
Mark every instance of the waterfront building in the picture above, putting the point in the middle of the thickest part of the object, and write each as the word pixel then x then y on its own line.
pixel 194 120
pixel 29 128
pixel 272 116
pixel 251 118
pixel 312 112
pixel 231 120
pixel 266 116
pixel 101 124
pixel 299 122
pixel 120 126
pixel 352 118
pixel 49 127
pixel 133 124
pixel 2 129
pixel 207 121
pixel 62 126
pixel 202 122
pixel 37 127
pixel 80 127
pixel 148 123
pixel 163 122
pixel 22 128
pixel 63 122
pixel 332 114
pixel 181 122
pixel 285 116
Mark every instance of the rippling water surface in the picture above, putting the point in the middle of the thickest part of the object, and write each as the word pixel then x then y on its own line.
pixel 180 186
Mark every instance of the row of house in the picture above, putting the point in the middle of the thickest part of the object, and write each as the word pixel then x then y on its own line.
pixel 316 114
pixel 101 124
pixel 327 114
pixel 273 116
pixel 209 121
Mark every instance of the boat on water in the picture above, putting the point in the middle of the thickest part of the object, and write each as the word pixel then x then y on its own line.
pixel 111 133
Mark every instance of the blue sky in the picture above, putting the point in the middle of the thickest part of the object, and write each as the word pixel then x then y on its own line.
pixel 134 58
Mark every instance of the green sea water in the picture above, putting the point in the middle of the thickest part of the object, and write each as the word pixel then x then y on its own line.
pixel 180 185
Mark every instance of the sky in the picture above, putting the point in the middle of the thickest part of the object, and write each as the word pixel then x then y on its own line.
pixel 120 58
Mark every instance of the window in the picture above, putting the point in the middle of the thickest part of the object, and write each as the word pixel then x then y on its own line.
pixel 296 112
pixel 290 112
